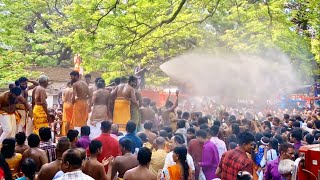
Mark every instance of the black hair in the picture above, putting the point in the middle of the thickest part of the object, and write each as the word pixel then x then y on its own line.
pixel 94 146
pixel 132 79
pixel 106 126
pixel 283 130
pixel 309 138
pixel 267 134
pixel 181 123
pixel 20 138
pixel 87 76
pixel 298 118
pixel 16 91
pixel 267 123
pixel 22 79
pixel 185 115
pixel 45 133
pixel 17 83
pixel 33 140
pixel 101 85
pixel 316 135
pixel 204 126
pixel 202 121
pixel 296 124
pixel 143 137
pixel 63 144
pixel 304 133
pixel 286 116
pixel 276 119
pixel 8 146
pixel 233 145
pixel 217 123
pixel 232 138
pixel 123 79
pixel 275 144
pixel 5 167
pixel 29 168
pixel 148 125
pixel 201 133
pixel 181 152
pixel 146 101
pixel 144 156
pixel 246 176
pixel 215 130
pixel 297 135
pixel 179 139
pixel 279 138
pixel 85 131
pixel 163 133
pixel 72 134
pixel 257 138
pixel 317 124
pixel 245 138
pixel 235 129
pixel 117 80
pixel 131 127
pixel 127 144
pixel 97 80
pixel 73 157
pixel 75 73
pixel 284 147
pixel 191 130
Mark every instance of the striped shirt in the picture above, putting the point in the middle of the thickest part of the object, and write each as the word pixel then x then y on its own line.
pixel 50 148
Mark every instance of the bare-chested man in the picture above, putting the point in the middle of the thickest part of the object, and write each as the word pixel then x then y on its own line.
pixel 147 130
pixel 80 101
pixel 146 112
pixel 35 153
pixel 7 112
pixel 67 108
pixel 125 94
pixel 100 100
pixel 127 161
pixel 39 103
pixel 134 108
pixel 141 172
pixel 93 167
pixel 48 171
pixel 168 115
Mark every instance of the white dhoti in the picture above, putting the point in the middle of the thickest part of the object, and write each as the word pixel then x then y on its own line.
pixel 8 124
pixel 95 131
pixel 22 122
pixel 29 126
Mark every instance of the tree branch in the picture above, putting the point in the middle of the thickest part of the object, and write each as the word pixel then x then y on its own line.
pixel 56 8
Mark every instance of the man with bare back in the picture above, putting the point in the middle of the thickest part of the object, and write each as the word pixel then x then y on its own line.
pixel 80 98
pixel 67 108
pixel 125 94
pixel 7 112
pixel 146 112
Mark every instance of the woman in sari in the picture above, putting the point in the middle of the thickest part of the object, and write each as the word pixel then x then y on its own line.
pixel 179 171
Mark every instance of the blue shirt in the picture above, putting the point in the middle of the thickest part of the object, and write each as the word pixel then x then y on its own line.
pixel 137 142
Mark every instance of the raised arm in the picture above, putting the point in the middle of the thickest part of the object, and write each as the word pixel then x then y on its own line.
pixel 176 103
pixel 34 84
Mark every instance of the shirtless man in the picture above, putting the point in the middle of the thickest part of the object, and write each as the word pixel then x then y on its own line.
pixel 79 99
pixel 146 112
pixel 48 171
pixel 67 108
pixel 142 172
pixel 135 109
pixel 168 115
pixel 39 103
pixel 127 161
pixel 35 153
pixel 125 94
pixel 93 167
pixel 100 100
pixel 147 130
pixel 7 112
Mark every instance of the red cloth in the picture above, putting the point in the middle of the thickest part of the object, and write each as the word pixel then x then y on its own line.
pixel 195 151
pixel 2 175
pixel 110 147
pixel 234 161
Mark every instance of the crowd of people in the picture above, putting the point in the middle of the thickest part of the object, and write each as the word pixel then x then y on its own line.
pixel 112 132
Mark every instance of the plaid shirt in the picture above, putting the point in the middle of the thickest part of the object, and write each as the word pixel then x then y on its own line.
pixel 50 149
pixel 234 161
pixel 75 175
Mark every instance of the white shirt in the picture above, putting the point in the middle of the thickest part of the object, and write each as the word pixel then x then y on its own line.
pixel 221 145
pixel 75 175
pixel 169 161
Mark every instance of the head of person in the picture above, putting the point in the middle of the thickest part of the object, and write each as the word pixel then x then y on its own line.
pixel 126 145
pixel 232 145
pixel 191 133
pixel 244 175
pixel 169 104
pixel 105 126
pixel 290 123
pixel 117 81
pixel 296 124
pixel 309 138
pixel 201 136
pixel 177 140
pixel 33 140
pixel 266 125
pixel 148 125
pixel 276 121
pixel 163 133
pixel 13 93
pixel 185 115
pixel 179 113
pixel 317 124
pixel 45 134
pixel 95 147
pixel 71 160
pixel 16 82
pixel 28 168
pixel 20 138
pixel 180 157
pixel 5 167
pixel 131 127
pixel 97 80
pixel 215 130
pixel 123 79
pixel 8 146
pixel 11 85
pixel 274 144
pixel 235 128
pixel 101 85
pixel 74 76
pixel 23 83
pixel 285 168
pixel 146 102
pixel 144 156
pixel 279 138
pixel 143 137
pixel 217 123
pixel 62 145
pixel 202 121
pixel 44 81
pixel 114 128
pixel 87 77
pixel 85 131
pixel 286 117
pixel 133 81
pixel 286 151
pixel 295 136
pixel 73 135
pixel 246 141
pixel 159 142
pixel 181 124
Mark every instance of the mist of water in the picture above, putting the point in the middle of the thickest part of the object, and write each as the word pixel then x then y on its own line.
pixel 233 76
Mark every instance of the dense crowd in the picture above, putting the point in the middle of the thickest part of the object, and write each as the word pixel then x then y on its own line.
pixel 170 142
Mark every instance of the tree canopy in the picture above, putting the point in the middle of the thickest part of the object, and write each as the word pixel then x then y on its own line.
pixel 114 36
